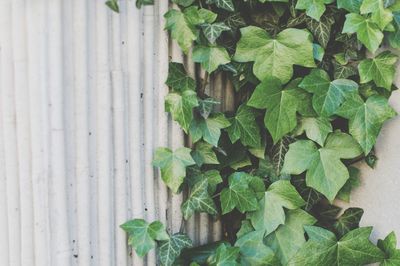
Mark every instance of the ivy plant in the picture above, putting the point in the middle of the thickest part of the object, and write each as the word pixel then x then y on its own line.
pixel 312 81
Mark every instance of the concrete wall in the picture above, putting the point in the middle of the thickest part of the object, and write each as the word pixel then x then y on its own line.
pixel 81 112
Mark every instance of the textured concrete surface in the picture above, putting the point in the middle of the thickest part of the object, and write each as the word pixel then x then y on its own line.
pixel 379 193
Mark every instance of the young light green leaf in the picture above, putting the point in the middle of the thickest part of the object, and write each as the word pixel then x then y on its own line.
pixel 323 249
pixel 142 235
pixel 381 69
pixel 289 237
pixel 173 166
pixel 348 221
pixel 316 128
pixel 178 80
pixel 209 129
pixel 352 6
pixel 210 57
pixel 224 4
pixel 366 118
pixel 314 8
pixel 270 213
pixel 275 57
pixel 367 31
pixel 325 172
pixel 181 105
pixel 253 251
pixel 213 31
pixel 389 247
pixel 170 250
pixel 238 194
pixel 244 127
pixel 328 95
pixel 225 255
pixel 199 201
pixel 281 105
pixel 204 154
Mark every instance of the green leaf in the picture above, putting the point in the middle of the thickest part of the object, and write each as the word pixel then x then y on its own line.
pixel 224 4
pixel 212 176
pixel 348 221
pixel 253 252
pixel 142 235
pixel 352 6
pixel 381 69
pixel 178 80
pixel 206 106
pixel 170 250
pixel 321 29
pixel 389 247
pixel 199 201
pixel 281 104
pixel 210 57
pixel 238 194
pixel 367 31
pixel 270 213
pixel 394 37
pixel 352 183
pixel 277 154
pixel 275 56
pixel 289 237
pixel 181 105
pixel 244 127
pixel 140 3
pixel 204 154
pixel 225 255
pixel 316 128
pixel 173 166
pixel 209 129
pixel 325 172
pixel 113 5
pixel 245 228
pixel 328 95
pixel 314 8
pixel 323 249
pixel 366 118
pixel 310 195
pixel 213 31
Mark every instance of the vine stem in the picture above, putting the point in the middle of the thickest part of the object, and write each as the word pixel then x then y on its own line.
pixel 204 84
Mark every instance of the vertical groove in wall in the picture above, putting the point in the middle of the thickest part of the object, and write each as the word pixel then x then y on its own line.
pixel 82 112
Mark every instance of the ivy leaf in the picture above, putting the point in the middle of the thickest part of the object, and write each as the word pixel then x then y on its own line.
pixel 316 128
pixel 173 166
pixel 209 129
pixel 328 95
pixel 314 8
pixel 213 31
pixel 199 201
pixel 277 155
pixel 238 194
pixel 244 127
pixel 253 252
pixel 212 176
pixel 321 29
pixel 289 237
pixel 275 57
pixel 366 118
pixel 381 69
pixel 270 213
pixel 210 57
pixel 204 154
pixel 380 15
pixel 245 228
pixel 224 4
pixel 225 255
pixel 352 183
pixel 181 105
pixel 389 247
pixel 178 80
pixel 140 3
pixel 113 5
pixel 367 31
pixel 342 71
pixel 325 172
pixel 352 6
pixel 394 37
pixel 323 248
pixel 142 235
pixel 310 195
pixel 348 221
pixel 170 250
pixel 206 107
pixel 281 104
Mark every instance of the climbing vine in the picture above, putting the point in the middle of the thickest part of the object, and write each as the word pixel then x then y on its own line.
pixel 312 83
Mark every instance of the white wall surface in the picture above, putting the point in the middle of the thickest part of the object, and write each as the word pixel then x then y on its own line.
pixel 81 112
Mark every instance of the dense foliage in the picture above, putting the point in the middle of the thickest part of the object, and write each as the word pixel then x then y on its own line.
pixel 312 86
